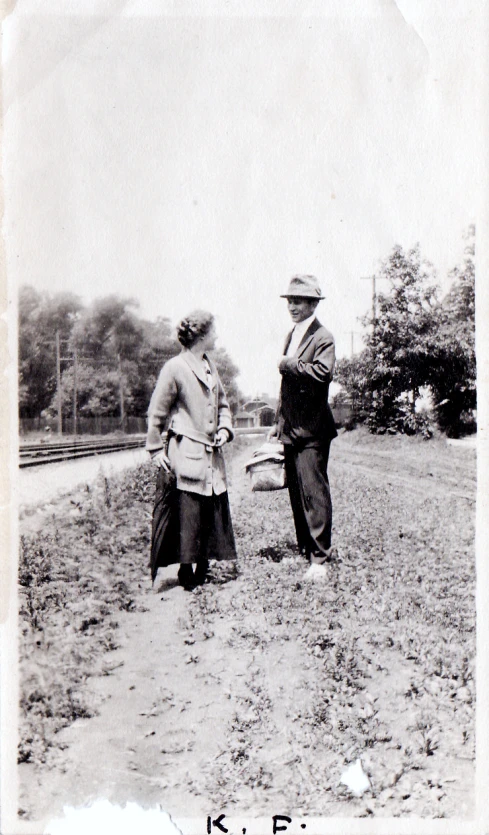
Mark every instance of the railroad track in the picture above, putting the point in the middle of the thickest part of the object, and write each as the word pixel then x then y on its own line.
pixel 51 452
pixel 34 455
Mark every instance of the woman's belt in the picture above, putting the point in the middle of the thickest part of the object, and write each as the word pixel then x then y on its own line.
pixel 193 435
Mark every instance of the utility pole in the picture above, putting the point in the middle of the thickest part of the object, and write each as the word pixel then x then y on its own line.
pixel 373 278
pixel 352 341
pixel 75 390
pixel 374 299
pixel 121 394
pixel 58 385
pixel 374 320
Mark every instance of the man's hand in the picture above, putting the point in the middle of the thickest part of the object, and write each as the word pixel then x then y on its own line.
pixel 273 433
pixel 222 437
pixel 160 458
pixel 286 364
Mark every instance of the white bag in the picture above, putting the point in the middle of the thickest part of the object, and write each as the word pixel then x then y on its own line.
pixel 267 468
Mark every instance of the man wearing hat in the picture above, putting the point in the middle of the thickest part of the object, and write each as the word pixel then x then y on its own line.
pixel 305 423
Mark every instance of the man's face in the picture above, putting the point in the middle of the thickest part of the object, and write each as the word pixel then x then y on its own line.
pixel 300 308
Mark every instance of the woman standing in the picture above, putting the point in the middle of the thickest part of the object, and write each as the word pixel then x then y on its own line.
pixel 189 402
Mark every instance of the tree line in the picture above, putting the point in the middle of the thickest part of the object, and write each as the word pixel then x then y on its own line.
pixel 416 344
pixel 109 356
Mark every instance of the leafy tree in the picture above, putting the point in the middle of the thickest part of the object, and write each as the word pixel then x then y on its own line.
pixel 355 375
pixel 452 376
pixel 115 350
pixel 97 392
pixel 159 345
pixel 40 316
pixel 399 346
pixel 228 372
pixel 416 341
pixel 109 328
pixel 111 341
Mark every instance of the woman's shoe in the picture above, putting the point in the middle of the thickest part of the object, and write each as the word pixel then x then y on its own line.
pixel 201 572
pixel 186 577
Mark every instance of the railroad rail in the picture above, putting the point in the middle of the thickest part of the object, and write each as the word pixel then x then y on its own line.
pixel 34 455
pixel 51 452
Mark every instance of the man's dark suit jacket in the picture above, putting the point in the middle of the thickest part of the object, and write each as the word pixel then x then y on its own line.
pixel 304 417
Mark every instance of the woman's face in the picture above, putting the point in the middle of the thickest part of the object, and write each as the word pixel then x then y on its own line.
pixel 208 342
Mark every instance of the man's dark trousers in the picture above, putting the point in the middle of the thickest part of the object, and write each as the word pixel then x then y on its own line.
pixel 310 497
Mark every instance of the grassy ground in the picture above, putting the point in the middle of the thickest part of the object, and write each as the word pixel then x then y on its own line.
pixel 375 664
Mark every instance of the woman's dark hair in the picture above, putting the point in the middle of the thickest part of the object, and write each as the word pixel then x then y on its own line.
pixel 196 325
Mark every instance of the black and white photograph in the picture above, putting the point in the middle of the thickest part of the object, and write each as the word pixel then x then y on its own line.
pixel 245 461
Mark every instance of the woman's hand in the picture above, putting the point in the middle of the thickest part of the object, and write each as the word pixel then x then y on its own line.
pixel 160 458
pixel 272 434
pixel 222 437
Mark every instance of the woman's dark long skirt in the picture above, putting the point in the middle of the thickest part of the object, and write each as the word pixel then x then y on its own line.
pixel 188 527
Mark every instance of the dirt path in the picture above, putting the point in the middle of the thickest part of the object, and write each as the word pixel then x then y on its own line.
pixel 255 692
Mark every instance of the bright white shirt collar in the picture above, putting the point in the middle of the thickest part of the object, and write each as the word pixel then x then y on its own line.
pixel 298 333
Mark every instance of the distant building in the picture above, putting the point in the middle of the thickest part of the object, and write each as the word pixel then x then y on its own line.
pixel 266 415
pixel 244 420
pixel 253 405
pixel 255 413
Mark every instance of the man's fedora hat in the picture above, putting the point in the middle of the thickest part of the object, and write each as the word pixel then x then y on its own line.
pixel 304 287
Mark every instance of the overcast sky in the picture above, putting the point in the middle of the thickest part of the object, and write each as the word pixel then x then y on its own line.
pixel 201 160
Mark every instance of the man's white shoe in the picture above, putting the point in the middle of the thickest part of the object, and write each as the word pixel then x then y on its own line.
pixel 316 572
